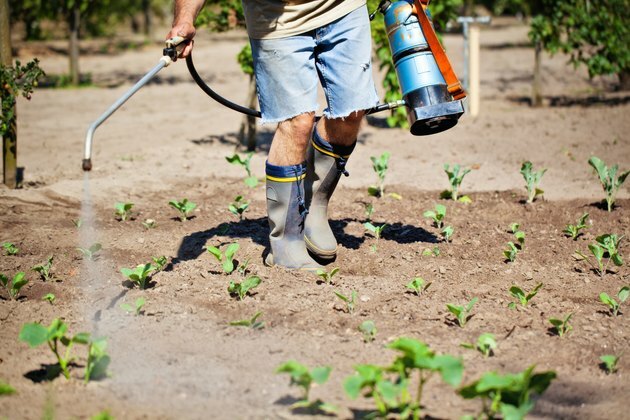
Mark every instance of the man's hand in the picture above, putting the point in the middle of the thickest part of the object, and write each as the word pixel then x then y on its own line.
pixel 186 30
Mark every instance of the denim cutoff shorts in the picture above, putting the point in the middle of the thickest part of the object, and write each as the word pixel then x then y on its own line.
pixel 337 55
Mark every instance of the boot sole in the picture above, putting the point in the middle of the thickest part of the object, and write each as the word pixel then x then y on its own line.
pixel 268 262
pixel 320 253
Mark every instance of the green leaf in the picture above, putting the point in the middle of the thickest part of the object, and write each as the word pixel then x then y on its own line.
pixel 624 293
pixel 33 334
pixel 231 250
pixel 6 389
pixel 251 181
pixel 320 374
pixel 451 368
pixel 353 385
pixel 214 251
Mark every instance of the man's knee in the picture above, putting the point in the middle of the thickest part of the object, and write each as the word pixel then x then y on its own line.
pixel 299 128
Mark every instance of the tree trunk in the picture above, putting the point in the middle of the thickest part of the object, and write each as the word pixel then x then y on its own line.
pixel 624 80
pixel 536 86
pixel 74 21
pixel 469 7
pixel 148 21
pixel 9 140
pixel 247 132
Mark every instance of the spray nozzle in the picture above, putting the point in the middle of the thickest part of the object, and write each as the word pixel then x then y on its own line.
pixel 382 7
pixel 174 46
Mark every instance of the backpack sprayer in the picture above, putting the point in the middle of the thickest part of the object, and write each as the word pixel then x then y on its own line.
pixel 431 91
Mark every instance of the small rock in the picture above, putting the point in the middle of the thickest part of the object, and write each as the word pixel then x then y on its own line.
pixel 442 270
pixel 140 240
pixel 528 275
pixel 364 298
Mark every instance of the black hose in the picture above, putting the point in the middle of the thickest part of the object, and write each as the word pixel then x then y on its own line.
pixel 248 111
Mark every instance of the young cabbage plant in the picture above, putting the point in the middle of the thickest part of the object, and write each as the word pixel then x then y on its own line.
pixel 609 363
pixel 447 233
pixel 462 313
pixel 532 180
pixel 380 165
pixel 250 323
pixel 604 250
pixel 123 211
pixel 418 285
pixel 251 181
pixel 242 289
pixel 455 179
pixel 6 389
pixel 225 258
pixel 369 210
pixel 238 206
pixel 561 327
pixel 509 395
pixel 511 252
pixel 303 377
pixel 327 276
pixel 91 253
pixel 391 387
pixel 368 329
pixel 77 223
pixel 611 182
pixel 15 285
pixel 184 207
pixel 44 269
pixel 431 252
pixel 149 224
pixel 513 228
pixel 485 345
pixel 140 275
pixel 10 248
pixel 35 334
pixel 136 309
pixel 160 262
pixel 50 298
pixel 350 301
pixel 574 231
pixel 98 360
pixel 437 215
pixel 374 229
pixel 613 305
pixel 523 297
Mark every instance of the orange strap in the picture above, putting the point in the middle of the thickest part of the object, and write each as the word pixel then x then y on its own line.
pixel 454 86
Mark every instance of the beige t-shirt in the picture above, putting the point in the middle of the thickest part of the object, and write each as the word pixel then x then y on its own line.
pixel 279 19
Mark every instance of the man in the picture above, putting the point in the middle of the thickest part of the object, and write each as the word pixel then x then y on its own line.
pixel 297 45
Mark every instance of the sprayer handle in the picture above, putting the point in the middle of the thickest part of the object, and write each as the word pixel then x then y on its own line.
pixel 174 46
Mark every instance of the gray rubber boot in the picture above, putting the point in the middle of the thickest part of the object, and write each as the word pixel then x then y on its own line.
pixel 286 212
pixel 324 165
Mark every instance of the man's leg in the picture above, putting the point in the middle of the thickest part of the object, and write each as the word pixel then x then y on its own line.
pixel 291 140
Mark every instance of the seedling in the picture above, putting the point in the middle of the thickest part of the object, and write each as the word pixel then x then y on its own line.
pixel 238 206
pixel 519 235
pixel 251 181
pixel 6 389
pixel 462 313
pixel 123 211
pixel 327 276
pixel 561 326
pixel 573 231
pixel 376 230
pixel 380 166
pixel 139 275
pixel 455 179
pixel 44 269
pixel 350 301
pixel 611 182
pixel 242 267
pixel 98 360
pixel 13 287
pixel 436 215
pixel 613 305
pixel 486 344
pixel 49 297
pixel 391 386
pixel 149 224
pixel 91 253
pixel 532 180
pixel 136 309
pixel 522 297
pixel 77 223
pixel 368 328
pixel 418 285
pixel 369 210
pixel 303 377
pixel 251 323
pixel 605 249
pixel 511 252
pixel 226 258
pixel 609 363
pixel 10 249
pixel 160 262
pixel 35 334
pixel 447 233
pixel 184 207
pixel 428 252
pixel 513 227
pixel 510 395
pixel 241 289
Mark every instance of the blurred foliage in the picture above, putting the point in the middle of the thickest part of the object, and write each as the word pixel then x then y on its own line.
pixel 594 33
pixel 16 80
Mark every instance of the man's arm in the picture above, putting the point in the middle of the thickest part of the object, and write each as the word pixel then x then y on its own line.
pixel 183 24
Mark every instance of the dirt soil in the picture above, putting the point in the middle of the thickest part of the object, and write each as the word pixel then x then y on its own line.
pixel 181 359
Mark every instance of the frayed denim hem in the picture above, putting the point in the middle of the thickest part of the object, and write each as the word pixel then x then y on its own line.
pixel 265 121
pixel 343 115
